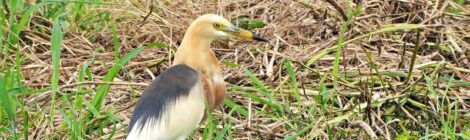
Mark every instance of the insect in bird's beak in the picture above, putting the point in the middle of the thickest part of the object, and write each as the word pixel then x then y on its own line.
pixel 242 33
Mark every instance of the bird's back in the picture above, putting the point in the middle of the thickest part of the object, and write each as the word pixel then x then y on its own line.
pixel 170 107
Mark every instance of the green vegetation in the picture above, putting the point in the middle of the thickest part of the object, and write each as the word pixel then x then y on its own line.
pixel 73 69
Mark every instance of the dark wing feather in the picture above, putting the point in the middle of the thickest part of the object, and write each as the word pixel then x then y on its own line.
pixel 171 84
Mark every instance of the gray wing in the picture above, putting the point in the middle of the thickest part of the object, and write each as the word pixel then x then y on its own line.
pixel 170 85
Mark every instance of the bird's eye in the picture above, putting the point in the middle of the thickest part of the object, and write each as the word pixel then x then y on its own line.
pixel 216 25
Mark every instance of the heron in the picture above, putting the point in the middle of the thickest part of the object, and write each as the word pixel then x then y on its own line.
pixel 172 106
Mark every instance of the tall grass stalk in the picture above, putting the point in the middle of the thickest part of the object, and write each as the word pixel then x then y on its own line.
pixel 56 44
pixel 339 48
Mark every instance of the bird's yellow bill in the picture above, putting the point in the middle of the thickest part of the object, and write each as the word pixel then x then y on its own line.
pixel 242 33
pixel 251 36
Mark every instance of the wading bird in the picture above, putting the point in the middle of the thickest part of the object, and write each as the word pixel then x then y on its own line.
pixel 172 106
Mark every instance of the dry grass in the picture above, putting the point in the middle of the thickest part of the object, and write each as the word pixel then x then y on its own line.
pixel 377 95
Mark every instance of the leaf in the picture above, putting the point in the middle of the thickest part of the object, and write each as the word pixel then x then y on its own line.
pixel 301 132
pixel 290 71
pixel 272 102
pixel 225 130
pixel 230 64
pixel 247 23
pixel 56 44
pixel 256 24
pixel 26 16
pixel 240 109
pixel 67 119
pixel 6 101
pixel 92 109
pixel 405 137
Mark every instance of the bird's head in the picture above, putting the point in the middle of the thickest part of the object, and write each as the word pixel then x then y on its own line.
pixel 214 26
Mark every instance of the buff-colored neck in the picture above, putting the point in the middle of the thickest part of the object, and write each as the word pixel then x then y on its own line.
pixel 195 52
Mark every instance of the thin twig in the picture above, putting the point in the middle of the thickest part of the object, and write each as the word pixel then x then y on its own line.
pixel 366 128
pixel 412 85
pixel 146 16
pixel 413 57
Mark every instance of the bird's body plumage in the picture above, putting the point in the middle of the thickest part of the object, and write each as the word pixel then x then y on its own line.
pixel 172 101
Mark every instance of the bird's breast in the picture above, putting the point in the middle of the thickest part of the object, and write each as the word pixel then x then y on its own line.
pixel 214 90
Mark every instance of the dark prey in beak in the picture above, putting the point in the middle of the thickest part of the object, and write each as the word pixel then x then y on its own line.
pixel 259 38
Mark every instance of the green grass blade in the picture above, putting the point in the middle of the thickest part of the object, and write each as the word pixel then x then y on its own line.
pixel 103 89
pixel 18 62
pixel 67 119
pixel 272 102
pixel 374 66
pixel 56 44
pixel 324 93
pixel 240 109
pixel 301 132
pixel 339 48
pixel 263 101
pixel 15 7
pixel 92 108
pixel 7 104
pixel 294 85
pixel 210 126
pixel 3 32
pixel 24 21
pixel 456 10
pixel 225 130
pixel 259 84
